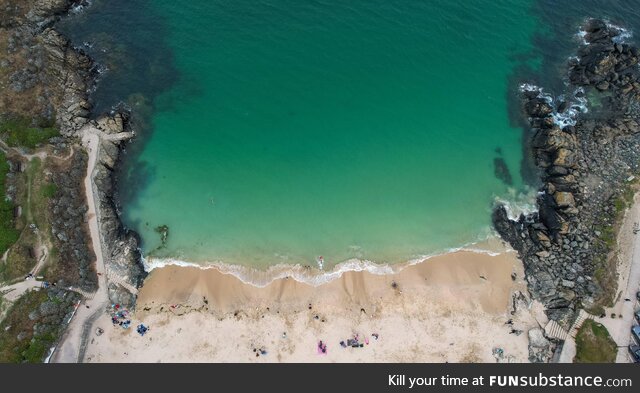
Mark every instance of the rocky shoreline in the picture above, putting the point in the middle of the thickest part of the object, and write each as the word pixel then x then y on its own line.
pixel 50 79
pixel 587 162
pixel 123 258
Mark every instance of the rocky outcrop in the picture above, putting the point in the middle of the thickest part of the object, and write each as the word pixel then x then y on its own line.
pixel 37 13
pixel 541 349
pixel 120 245
pixel 43 78
pixel 74 259
pixel 583 160
pixel 70 71
pixel 43 75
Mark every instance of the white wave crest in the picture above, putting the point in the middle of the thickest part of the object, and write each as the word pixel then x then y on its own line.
pixel 311 276
pixel 79 7
pixel 622 35
pixel 575 105
pixel 519 203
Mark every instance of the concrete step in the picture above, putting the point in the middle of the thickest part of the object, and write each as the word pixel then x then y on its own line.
pixel 554 330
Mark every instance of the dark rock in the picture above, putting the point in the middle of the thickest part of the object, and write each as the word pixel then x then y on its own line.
pixel 538 107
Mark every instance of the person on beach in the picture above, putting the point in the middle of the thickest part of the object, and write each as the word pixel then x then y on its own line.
pixel 322 348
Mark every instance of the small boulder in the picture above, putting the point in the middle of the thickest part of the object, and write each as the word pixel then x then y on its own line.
pixel 564 199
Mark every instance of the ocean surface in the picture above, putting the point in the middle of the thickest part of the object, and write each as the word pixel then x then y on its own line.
pixel 277 131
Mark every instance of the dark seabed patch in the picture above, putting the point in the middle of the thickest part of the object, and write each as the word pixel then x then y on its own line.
pixel 501 170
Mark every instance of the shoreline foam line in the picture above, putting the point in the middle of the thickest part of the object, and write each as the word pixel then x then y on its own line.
pixel 312 276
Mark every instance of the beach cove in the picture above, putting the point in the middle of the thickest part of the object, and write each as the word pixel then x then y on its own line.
pixel 397 296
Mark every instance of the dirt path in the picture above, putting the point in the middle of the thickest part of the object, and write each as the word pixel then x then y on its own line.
pixel 14 291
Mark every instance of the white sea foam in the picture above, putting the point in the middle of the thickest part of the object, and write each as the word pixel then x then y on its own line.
pixel 311 276
pixel 576 104
pixel 78 8
pixel 529 87
pixel 622 34
pixel 581 36
pixel 519 203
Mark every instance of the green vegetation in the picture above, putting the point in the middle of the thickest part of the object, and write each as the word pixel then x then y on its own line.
pixel 32 193
pixel 594 344
pixel 19 132
pixel 21 258
pixel 33 324
pixel 17 341
pixel 49 190
pixel 606 266
pixel 8 232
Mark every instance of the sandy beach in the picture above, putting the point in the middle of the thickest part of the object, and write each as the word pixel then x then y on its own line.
pixel 449 308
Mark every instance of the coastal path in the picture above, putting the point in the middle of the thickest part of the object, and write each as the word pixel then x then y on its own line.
pixel 72 344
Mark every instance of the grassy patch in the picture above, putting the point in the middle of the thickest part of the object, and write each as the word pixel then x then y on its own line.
pixel 33 324
pixel 33 192
pixel 606 267
pixel 594 344
pixel 16 330
pixel 8 232
pixel 19 132
pixel 21 257
pixel 49 190
pixel 606 275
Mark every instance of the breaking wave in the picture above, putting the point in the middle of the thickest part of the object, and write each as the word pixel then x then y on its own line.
pixel 566 107
pixel 307 275
pixel 621 37
pixel 519 203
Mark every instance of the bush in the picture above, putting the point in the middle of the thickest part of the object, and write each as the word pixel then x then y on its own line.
pixel 20 132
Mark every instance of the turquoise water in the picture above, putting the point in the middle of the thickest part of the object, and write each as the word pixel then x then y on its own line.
pixel 277 131
pixel 299 129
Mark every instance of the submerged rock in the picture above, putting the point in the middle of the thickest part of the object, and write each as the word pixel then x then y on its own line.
pixel 501 171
